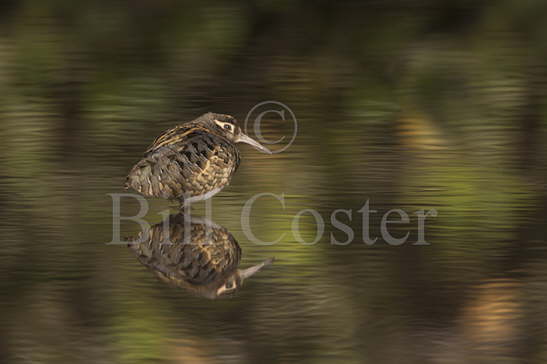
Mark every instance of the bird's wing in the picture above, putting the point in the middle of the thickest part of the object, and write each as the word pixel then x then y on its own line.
pixel 175 135
pixel 184 161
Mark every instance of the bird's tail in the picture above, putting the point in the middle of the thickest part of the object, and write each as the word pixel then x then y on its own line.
pixel 127 184
pixel 139 177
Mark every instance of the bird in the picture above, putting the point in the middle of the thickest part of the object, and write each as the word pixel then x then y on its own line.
pixel 194 254
pixel 191 161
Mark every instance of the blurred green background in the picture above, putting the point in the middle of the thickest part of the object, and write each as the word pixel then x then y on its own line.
pixel 406 104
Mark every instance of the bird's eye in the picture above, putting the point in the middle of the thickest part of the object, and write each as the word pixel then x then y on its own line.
pixel 225 125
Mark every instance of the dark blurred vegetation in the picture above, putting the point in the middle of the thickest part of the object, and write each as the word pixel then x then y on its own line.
pixel 410 104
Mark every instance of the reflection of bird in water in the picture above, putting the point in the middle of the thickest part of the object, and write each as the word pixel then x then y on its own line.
pixel 194 254
pixel 192 161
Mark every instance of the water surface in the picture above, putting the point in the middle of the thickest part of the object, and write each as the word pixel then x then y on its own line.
pixel 407 105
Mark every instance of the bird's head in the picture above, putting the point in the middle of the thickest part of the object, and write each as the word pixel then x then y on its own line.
pixel 235 280
pixel 227 126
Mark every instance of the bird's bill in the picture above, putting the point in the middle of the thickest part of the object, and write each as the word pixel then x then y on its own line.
pixel 246 139
pixel 246 273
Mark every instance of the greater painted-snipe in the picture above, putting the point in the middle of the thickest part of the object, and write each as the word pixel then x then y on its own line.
pixel 194 254
pixel 192 161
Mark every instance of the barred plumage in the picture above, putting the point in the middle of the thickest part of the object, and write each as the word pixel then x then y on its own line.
pixel 193 254
pixel 192 161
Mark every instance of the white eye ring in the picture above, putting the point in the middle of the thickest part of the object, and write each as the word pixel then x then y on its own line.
pixel 226 126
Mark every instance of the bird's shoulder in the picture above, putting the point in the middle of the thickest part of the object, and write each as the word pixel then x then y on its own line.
pixel 189 137
pixel 176 135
